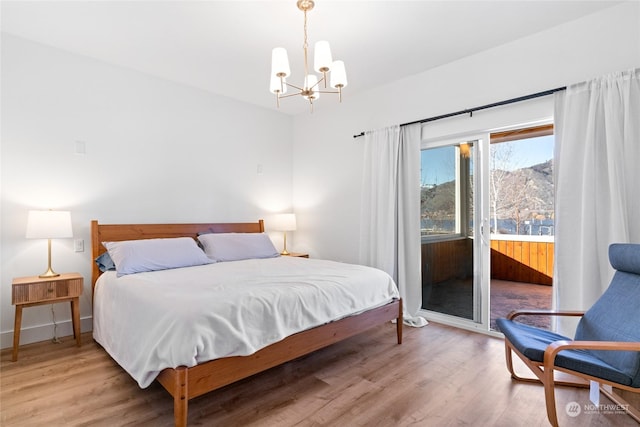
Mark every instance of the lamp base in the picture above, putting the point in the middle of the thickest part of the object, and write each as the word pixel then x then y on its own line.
pixel 285 253
pixel 49 273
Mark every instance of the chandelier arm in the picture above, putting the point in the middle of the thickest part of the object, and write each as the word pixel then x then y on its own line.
pixel 294 86
pixel 291 94
pixel 318 82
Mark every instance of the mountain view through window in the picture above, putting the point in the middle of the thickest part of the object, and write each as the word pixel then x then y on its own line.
pixel 521 186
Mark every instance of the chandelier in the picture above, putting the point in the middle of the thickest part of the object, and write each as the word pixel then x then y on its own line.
pixel 323 63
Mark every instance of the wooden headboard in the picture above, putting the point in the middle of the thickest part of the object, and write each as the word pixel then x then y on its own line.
pixel 118 232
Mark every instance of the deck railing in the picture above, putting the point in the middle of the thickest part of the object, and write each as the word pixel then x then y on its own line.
pixel 522 258
pixel 515 258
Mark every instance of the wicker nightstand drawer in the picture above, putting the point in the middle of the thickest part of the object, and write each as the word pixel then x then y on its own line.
pixel 34 289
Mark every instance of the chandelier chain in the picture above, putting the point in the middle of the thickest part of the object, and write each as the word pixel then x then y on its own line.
pixel 305 46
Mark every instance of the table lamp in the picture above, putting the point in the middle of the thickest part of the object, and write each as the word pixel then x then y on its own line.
pixel 49 225
pixel 284 222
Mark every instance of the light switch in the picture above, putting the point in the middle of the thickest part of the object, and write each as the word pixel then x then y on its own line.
pixel 80 147
pixel 78 245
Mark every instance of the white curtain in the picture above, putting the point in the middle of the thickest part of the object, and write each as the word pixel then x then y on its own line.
pixel 390 212
pixel 597 177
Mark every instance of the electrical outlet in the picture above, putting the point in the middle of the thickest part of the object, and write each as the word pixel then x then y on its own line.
pixel 78 245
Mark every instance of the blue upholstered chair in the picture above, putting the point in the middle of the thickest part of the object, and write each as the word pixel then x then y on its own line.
pixel 606 346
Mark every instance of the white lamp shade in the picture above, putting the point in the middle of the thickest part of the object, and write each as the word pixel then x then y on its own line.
pixel 284 222
pixel 280 62
pixel 49 225
pixel 278 85
pixel 322 57
pixel 338 74
pixel 311 81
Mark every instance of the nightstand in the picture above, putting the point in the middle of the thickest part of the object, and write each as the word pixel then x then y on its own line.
pixel 30 291
pixel 298 255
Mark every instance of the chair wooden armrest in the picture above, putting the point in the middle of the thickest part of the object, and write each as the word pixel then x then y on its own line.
pixel 555 347
pixel 547 377
pixel 516 313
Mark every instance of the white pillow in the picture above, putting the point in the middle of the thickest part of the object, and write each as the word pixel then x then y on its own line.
pixel 237 246
pixel 136 256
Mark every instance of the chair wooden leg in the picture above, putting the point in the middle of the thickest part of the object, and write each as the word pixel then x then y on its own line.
pixel 509 361
pixel 550 396
pixel 509 358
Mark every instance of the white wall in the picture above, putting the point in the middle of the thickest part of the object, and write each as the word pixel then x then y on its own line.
pixel 156 151
pixel 328 161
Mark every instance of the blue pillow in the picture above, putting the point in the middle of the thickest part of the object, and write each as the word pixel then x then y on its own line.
pixel 105 263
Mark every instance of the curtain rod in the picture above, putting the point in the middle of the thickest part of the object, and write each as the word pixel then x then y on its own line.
pixel 470 111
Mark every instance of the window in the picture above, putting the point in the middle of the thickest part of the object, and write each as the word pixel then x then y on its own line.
pixel 521 182
pixel 446 191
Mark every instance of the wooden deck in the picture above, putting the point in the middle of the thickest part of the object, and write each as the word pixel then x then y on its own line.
pixel 522 261
pixel 507 296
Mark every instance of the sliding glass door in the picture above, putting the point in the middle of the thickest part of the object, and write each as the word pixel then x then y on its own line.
pixel 454 218
pixel 522 221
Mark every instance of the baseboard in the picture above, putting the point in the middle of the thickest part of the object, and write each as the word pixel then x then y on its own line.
pixel 40 333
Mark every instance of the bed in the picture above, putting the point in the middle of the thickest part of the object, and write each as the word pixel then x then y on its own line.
pixel 198 376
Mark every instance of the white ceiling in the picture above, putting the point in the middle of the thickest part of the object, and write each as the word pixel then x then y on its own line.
pixel 225 46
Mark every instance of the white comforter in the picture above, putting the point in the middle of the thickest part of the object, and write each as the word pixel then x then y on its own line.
pixel 151 321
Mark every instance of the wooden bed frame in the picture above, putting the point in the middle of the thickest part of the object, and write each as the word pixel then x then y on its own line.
pixel 186 383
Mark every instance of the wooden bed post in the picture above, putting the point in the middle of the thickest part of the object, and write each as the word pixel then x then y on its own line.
pixel 180 397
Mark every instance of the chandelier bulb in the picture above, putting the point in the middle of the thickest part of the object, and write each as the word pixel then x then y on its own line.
pixel 280 62
pixel 310 88
pixel 338 75
pixel 278 85
pixel 322 57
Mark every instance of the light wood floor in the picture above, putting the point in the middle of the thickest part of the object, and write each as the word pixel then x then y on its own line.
pixel 439 376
